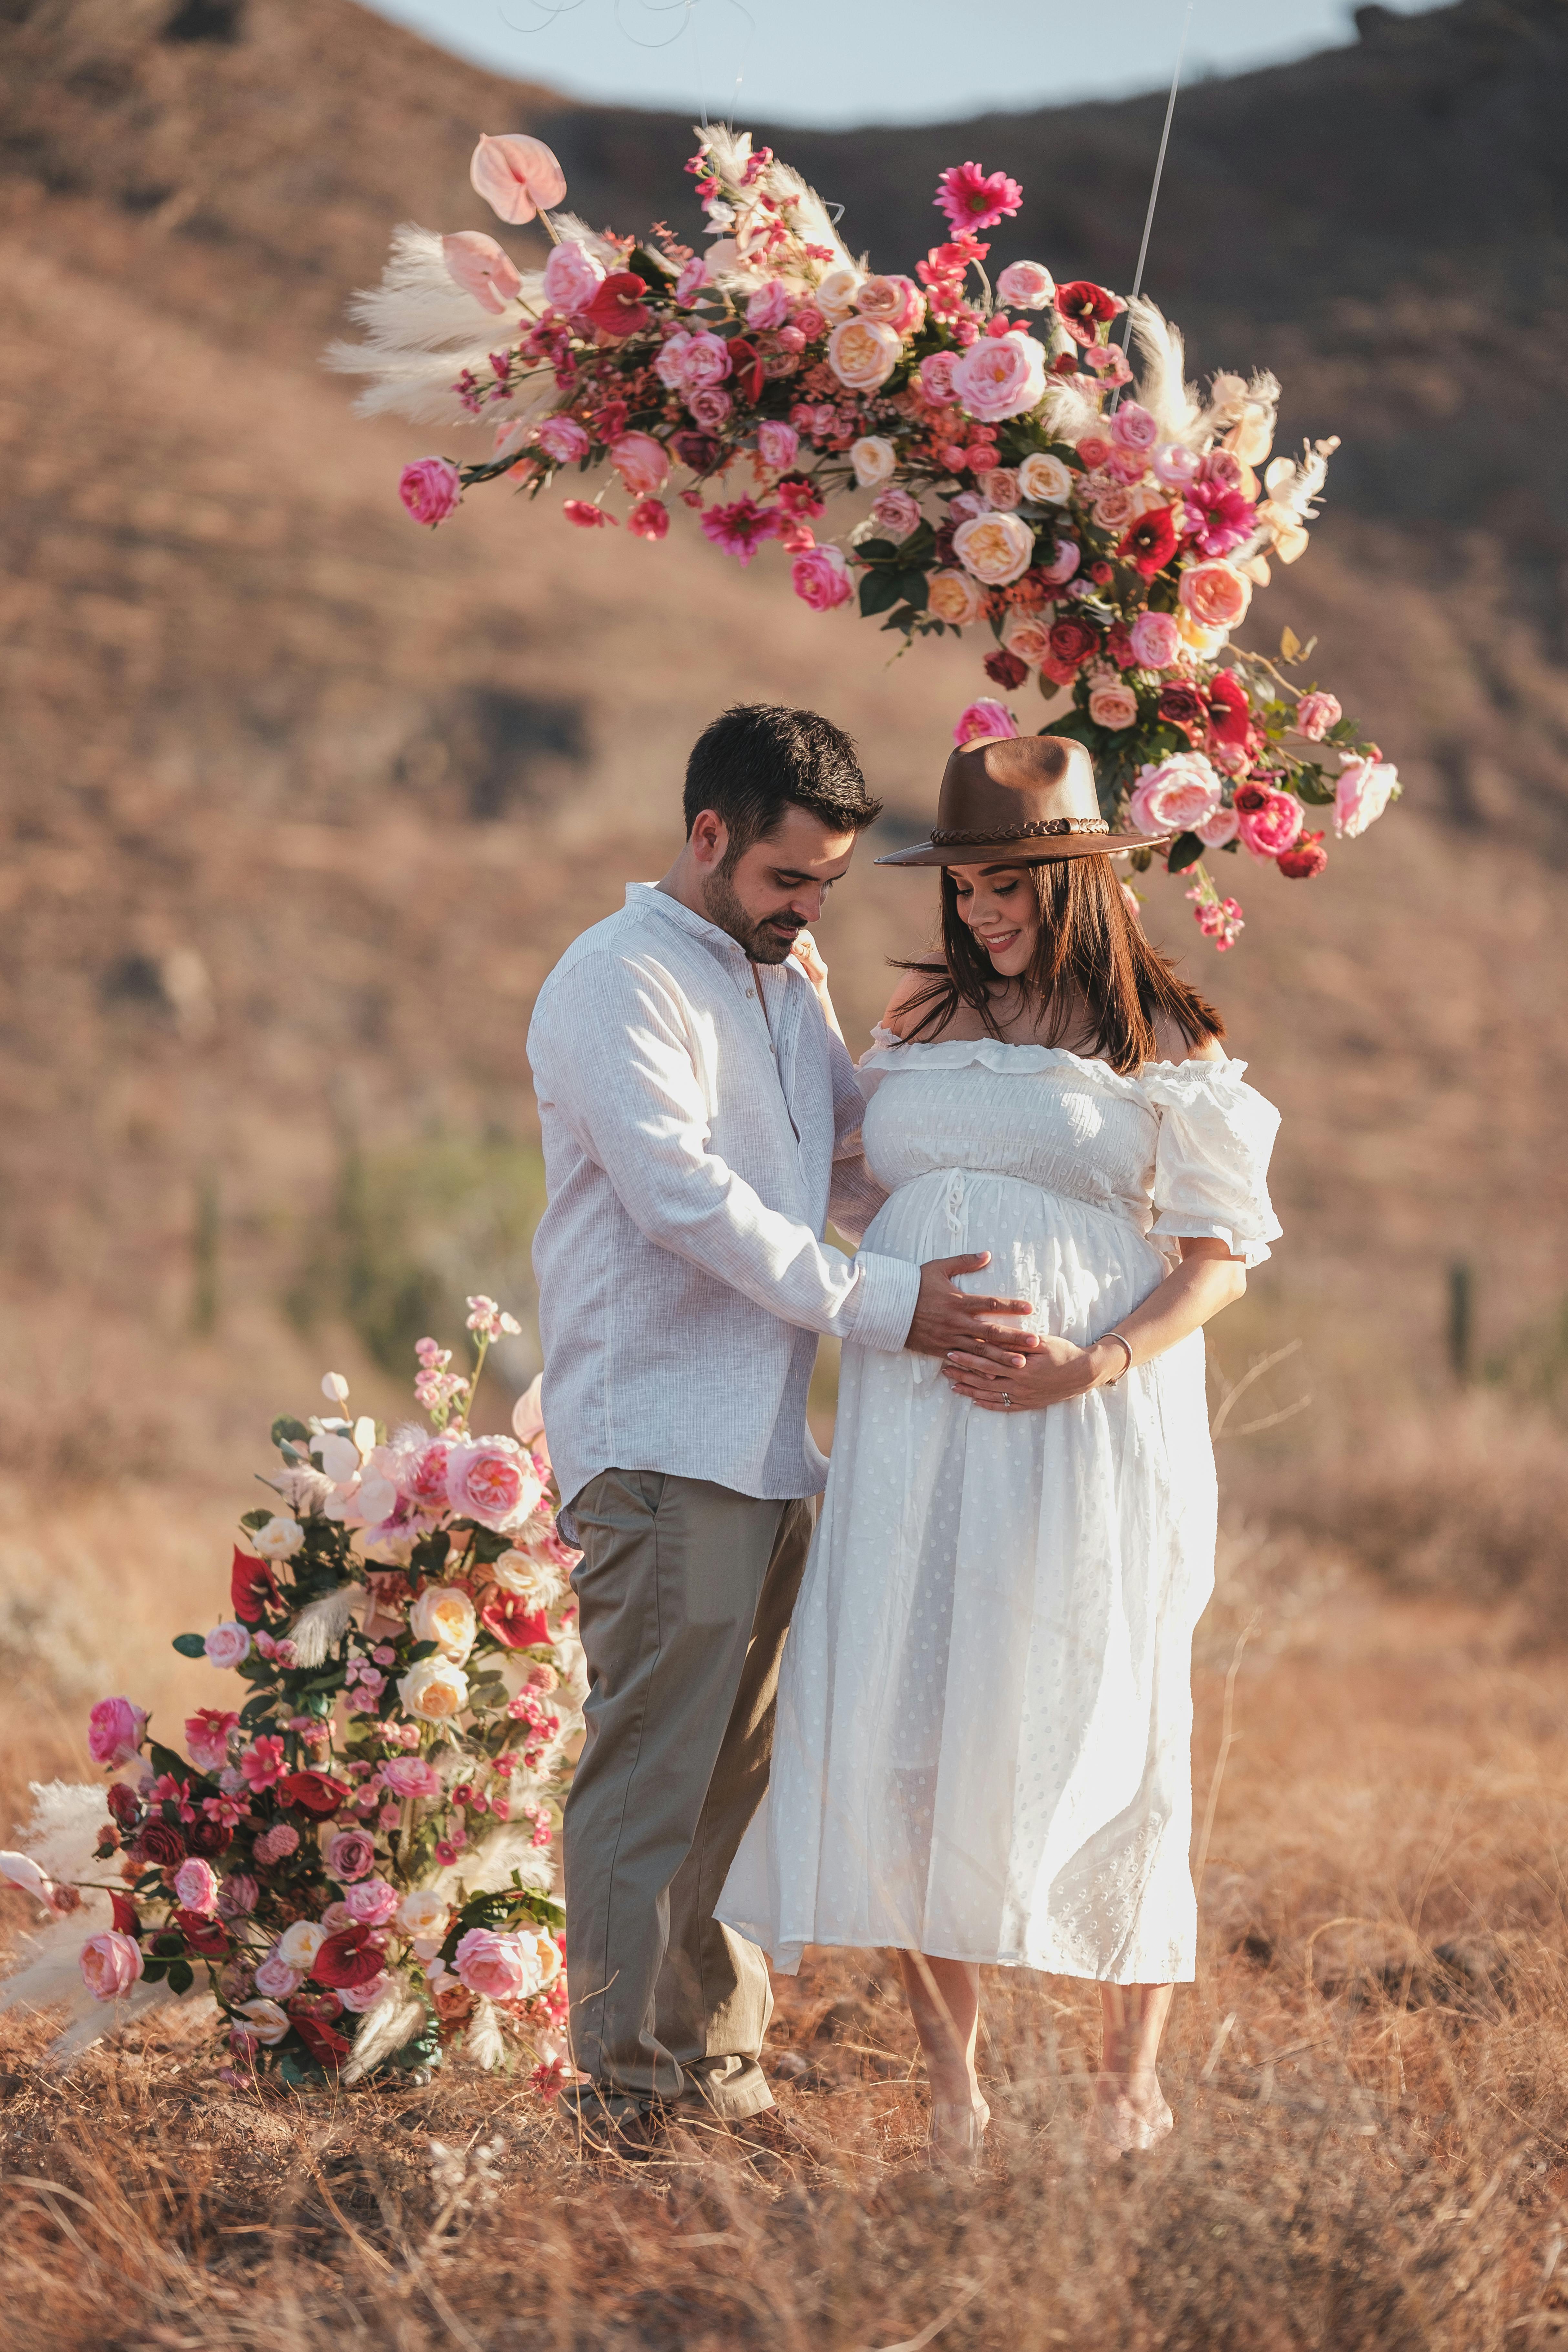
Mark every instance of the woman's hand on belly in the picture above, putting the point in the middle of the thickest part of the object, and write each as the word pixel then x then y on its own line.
pixel 1057 1371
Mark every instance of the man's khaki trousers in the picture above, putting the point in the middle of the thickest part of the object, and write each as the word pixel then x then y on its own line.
pixel 685 1592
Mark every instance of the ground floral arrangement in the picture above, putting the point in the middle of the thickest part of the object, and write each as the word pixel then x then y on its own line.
pixel 355 1856
pixel 1107 544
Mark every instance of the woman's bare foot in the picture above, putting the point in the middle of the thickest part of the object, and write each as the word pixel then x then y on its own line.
pixel 958 2134
pixel 1130 2112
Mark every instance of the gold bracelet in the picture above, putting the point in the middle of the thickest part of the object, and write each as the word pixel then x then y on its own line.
pixel 1121 1340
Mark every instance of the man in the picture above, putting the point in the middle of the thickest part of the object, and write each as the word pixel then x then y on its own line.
pixel 700 1122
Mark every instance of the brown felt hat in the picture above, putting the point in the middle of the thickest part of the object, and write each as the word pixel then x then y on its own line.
pixel 1029 799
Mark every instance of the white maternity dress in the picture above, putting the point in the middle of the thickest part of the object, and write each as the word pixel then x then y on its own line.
pixel 983 1743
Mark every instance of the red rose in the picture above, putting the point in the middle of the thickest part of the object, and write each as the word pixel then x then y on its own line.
pixel 1250 800
pixel 324 2006
pixel 1072 642
pixel 252 1587
pixel 1007 668
pixel 314 1792
pixel 1084 307
pixel 208 1836
pixel 326 2046
pixel 351 1957
pixel 508 1616
pixel 619 307
pixel 697 451
pixel 1229 712
pixel 1119 646
pixel 1182 705
pixel 162 1843
pixel 204 1935
pixel 1149 543
pixel 124 1804
pixel 1301 864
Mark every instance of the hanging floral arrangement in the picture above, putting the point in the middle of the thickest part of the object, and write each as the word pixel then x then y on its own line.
pixel 354 1853
pixel 1103 531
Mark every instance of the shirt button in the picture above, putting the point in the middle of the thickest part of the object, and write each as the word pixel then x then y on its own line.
pixel 751 991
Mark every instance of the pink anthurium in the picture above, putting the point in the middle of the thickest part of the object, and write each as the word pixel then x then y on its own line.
pixel 481 268
pixel 517 176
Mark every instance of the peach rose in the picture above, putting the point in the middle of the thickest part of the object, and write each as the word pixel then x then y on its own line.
pixel 265 2019
pixel 873 459
pixel 1173 795
pixel 953 597
pixel 996 547
pixel 1215 595
pixel 863 354
pixel 444 1614
pixel 504 1967
pixel 896 514
pixel 1315 714
pixel 936 378
pixel 1001 376
pixel 1044 479
pixel 1000 489
pixel 835 295
pixel 895 302
pixel 436 1690
pixel 1027 636
pixel 1113 706
pixel 642 462
pixel 1026 286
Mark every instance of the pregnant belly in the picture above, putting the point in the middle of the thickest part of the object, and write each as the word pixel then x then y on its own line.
pixel 1078 1265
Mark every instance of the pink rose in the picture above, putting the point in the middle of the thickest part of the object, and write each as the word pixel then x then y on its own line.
pixel 418 1468
pixel 572 276
pixel 238 1895
pixel 1176 466
pixel 493 1480
pixel 430 489
pixel 896 514
pixel 706 361
pixel 197 1886
pixel 562 440
pixel 777 446
pixel 361 1997
pixel 820 578
pixel 410 1776
pixel 642 462
pixel 936 378
pixel 1156 640
pixel 110 1964
pixel 692 279
pixel 372 1901
pixel 1174 795
pixel 649 519
pixel 481 268
pixel 1112 705
pixel 983 722
pixel 1062 565
pixel 349 1855
pixel 114 1731
pixel 710 407
pixel 1215 595
pixel 1315 714
pixel 1216 829
pixel 1114 507
pixel 1132 427
pixel 1000 489
pixel 1001 376
pixel 276 1978
pixel 517 175
pixel 895 302
pixel 863 354
pixel 496 1965
pixel 769 306
pixel 227 1645
pixel 1365 790
pixel 1269 821
pixel 1026 286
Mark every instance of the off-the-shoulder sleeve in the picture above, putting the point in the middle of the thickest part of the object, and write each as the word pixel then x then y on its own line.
pixel 1211 1161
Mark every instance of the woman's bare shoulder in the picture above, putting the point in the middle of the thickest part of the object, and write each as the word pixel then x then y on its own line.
pixel 913 988
pixel 1175 1046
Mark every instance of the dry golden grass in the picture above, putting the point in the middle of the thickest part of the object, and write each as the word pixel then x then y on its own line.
pixel 1370 2079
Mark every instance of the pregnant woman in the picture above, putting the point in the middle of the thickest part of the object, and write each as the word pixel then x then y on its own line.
pixel 982 1752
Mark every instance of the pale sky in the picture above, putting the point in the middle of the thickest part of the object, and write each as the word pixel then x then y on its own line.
pixel 840 62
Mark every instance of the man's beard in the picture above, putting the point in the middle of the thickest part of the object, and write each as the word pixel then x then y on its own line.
pixel 762 941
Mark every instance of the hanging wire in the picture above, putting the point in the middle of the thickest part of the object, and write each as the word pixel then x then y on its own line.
pixel 1154 190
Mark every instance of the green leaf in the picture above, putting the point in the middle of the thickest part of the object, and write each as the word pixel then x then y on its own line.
pixel 163 1759
pixel 287 1428
pixel 912 588
pixel 181 1975
pixel 254 1519
pixel 880 591
pixel 319 1702
pixel 1313 787
pixel 190 1645
pixel 153 1971
pixel 299 2072
pixel 256 1711
pixel 1185 850
pixel 422 1650
pixel 877 551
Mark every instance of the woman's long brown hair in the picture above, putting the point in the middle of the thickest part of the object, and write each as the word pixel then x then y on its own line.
pixel 1090 956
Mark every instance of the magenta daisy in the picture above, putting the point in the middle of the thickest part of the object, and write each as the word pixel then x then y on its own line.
pixel 739 528
pixel 973 199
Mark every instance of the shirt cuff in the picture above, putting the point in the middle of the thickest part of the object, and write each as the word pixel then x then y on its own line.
pixel 885 1301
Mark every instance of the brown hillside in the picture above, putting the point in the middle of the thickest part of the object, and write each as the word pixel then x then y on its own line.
pixel 300 803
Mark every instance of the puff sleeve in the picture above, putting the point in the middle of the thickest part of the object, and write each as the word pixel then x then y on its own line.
pixel 1211 1157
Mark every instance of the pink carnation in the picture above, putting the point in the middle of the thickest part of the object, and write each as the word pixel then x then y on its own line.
pixel 110 1964
pixel 114 1731
pixel 277 1843
pixel 984 721
pixel 820 578
pixel 1315 714
pixel 973 199
pixel 430 489
pixel 649 519
pixel 741 528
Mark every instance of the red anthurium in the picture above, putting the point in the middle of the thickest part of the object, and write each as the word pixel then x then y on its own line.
pixel 508 1616
pixel 325 2045
pixel 1229 712
pixel 351 1957
pixel 126 1920
pixel 314 1792
pixel 1151 542
pixel 1084 307
pixel 252 1587
pixel 618 309
pixel 208 1937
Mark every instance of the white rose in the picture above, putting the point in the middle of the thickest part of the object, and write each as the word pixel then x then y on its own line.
pixel 1045 480
pixel 835 295
pixel 266 2019
pixel 436 1690
pixel 996 547
pixel 298 1945
pixel 873 460
pixel 546 1953
pixel 537 1582
pixel 280 1539
pixel 423 1913
pixel 445 1613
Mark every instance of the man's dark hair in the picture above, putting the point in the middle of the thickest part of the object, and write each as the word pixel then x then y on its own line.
pixel 759 759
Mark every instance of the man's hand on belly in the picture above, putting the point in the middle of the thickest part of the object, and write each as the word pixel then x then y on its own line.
pixel 945 1318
